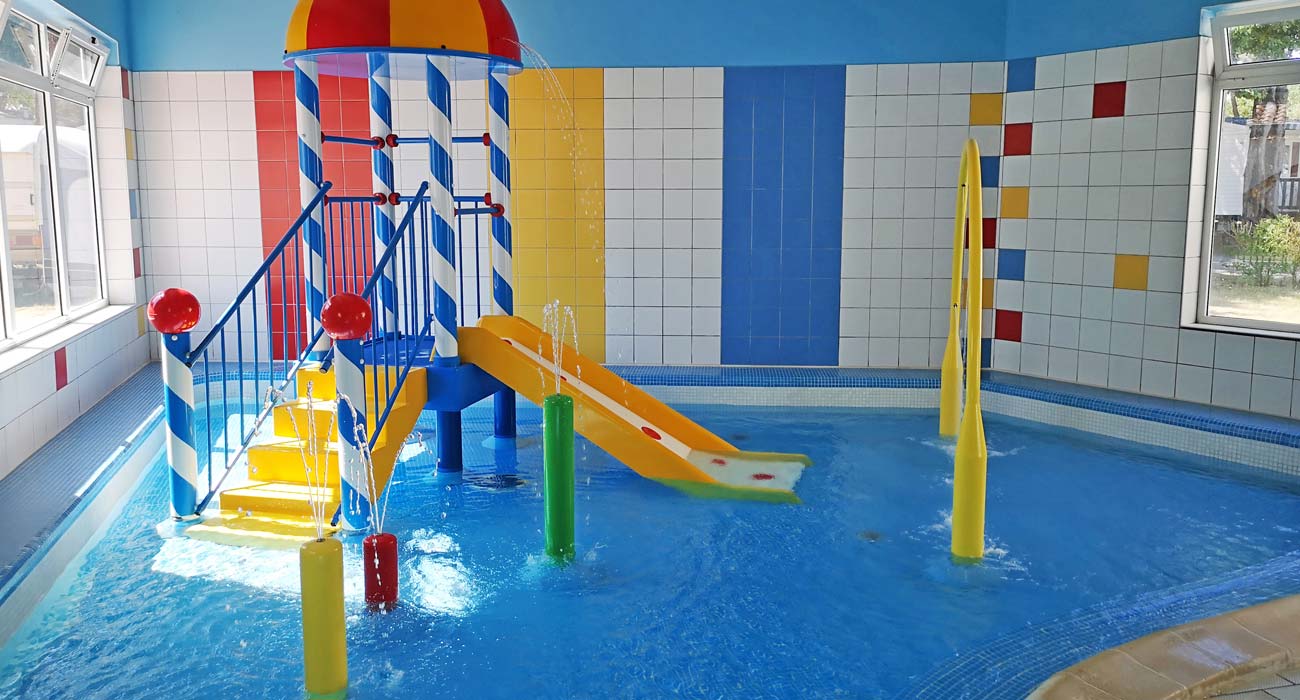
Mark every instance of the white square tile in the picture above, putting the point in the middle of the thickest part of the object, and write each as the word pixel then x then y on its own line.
pixel 1112 64
pixel 955 78
pixel 1048 104
pixel 1275 357
pixel 1231 389
pixel 1076 102
pixel 1271 395
pixel 923 78
pixel 1049 72
pixel 709 82
pixel 989 77
pixel 891 79
pixel 1180 56
pixel 1158 378
pixel 1125 373
pixel 1144 60
pixel 1080 68
pixel 860 80
pixel 860 111
pixel 1178 94
pixel 1234 352
pixel 1142 97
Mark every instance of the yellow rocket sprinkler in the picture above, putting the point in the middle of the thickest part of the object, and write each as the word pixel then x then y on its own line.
pixel 971 464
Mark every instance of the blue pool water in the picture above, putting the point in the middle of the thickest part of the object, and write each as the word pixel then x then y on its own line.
pixel 849 595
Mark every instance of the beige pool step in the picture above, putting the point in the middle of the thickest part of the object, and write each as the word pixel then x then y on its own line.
pixel 1189 662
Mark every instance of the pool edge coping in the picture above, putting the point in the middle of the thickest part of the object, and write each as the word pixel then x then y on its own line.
pixel 1186 662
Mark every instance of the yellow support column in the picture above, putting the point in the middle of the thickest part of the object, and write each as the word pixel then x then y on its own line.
pixel 970 469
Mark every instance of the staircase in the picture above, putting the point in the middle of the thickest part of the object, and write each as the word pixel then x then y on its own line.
pixel 279 484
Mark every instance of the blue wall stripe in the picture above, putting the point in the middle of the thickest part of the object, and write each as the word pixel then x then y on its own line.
pixel 783 182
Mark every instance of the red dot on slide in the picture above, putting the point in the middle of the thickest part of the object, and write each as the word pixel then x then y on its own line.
pixel 763 477
pixel 563 378
pixel 651 432
pixel 720 462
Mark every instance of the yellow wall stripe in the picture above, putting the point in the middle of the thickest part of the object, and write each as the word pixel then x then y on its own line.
pixel 557 152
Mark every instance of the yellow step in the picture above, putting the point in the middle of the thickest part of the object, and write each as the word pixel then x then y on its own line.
pixel 282 460
pixel 303 418
pixel 272 499
pixel 321 384
pixel 235 529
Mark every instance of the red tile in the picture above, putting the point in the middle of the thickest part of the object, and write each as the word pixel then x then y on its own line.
pixel 270 115
pixel 990 234
pixel 355 90
pixel 1007 325
pixel 60 368
pixel 126 84
pixel 139 264
pixel 270 147
pixel 1019 140
pixel 356 117
pixel 271 175
pixel 1108 100
pixel 268 85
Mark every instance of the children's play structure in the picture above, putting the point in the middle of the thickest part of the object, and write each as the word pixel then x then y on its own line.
pixel 351 327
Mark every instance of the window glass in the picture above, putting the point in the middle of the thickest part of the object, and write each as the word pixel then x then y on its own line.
pixel 28 221
pixel 78 63
pixel 1254 268
pixel 77 201
pixel 51 44
pixel 1257 43
pixel 19 43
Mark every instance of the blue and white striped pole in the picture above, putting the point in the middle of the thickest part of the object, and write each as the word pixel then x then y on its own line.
pixel 311 171
pixel 178 381
pixel 381 127
pixel 350 381
pixel 446 346
pixel 503 293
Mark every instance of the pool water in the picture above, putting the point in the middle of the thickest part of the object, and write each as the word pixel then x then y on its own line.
pixel 850 594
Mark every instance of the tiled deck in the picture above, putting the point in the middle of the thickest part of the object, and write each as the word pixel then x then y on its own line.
pixel 37 496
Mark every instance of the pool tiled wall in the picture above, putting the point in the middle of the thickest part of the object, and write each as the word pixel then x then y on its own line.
pixel 1094 171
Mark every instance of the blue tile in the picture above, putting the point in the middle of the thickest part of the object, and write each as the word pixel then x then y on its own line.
pixel 765 351
pixel 1021 74
pixel 986 353
pixel 765 292
pixel 735 348
pixel 1011 264
pixel 824 350
pixel 990 167
pixel 826 265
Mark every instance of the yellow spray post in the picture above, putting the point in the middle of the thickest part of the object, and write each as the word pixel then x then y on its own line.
pixel 324 631
pixel 971 464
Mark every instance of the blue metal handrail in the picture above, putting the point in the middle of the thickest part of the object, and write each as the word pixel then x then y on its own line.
pixel 227 346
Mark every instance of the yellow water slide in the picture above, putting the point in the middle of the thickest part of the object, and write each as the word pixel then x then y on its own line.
pixel 649 437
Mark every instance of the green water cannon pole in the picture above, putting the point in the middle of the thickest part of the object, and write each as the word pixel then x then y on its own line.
pixel 557 443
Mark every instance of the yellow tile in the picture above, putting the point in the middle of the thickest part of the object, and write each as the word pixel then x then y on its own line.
pixel 589 114
pixel 560 263
pixel 591 204
pixel 986 109
pixel 528 174
pixel 559 204
pixel 527 84
pixel 130 144
pixel 1015 202
pixel 527 114
pixel 529 263
pixel 531 290
pixel 559 115
pixel 529 204
pixel 559 84
pixel 589 175
pixel 590 235
pixel 988 295
pixel 589 82
pixel 591 143
pixel 559 174
pixel 527 145
pixel 561 233
pixel 141 327
pixel 591 293
pixel 1131 271
pixel 559 144
pixel 563 290
pixel 591 263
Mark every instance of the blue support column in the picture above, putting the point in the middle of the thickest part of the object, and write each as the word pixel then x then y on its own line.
pixel 354 474
pixel 178 382
pixel 446 294
pixel 503 295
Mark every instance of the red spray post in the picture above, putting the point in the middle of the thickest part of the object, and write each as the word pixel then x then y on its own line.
pixel 380 555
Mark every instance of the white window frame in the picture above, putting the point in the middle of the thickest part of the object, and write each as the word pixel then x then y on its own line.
pixel 46 83
pixel 1225 77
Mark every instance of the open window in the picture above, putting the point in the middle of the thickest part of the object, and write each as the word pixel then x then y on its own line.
pixel 1250 258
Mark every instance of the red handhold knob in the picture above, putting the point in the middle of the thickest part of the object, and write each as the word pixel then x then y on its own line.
pixel 487 138
pixel 174 311
pixel 379 554
pixel 394 199
pixel 346 317
pixel 392 140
